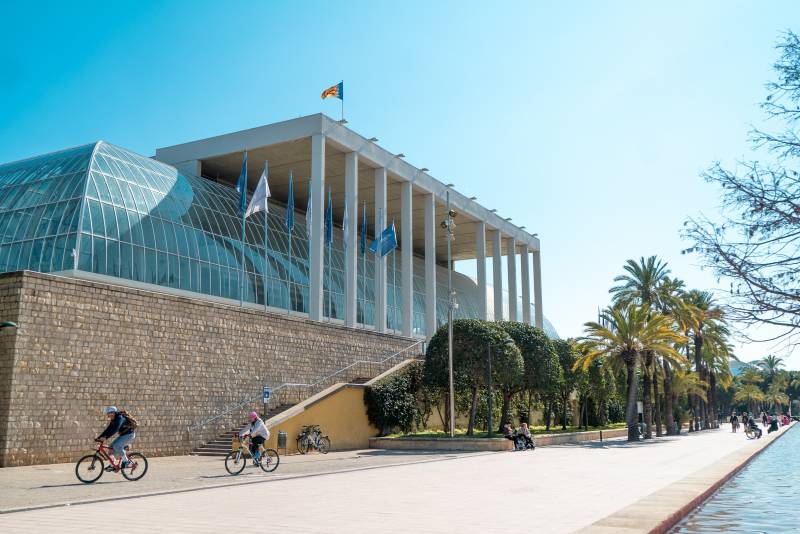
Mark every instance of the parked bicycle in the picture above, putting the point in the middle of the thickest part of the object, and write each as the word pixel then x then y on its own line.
pixel 310 438
pixel 236 460
pixel 91 467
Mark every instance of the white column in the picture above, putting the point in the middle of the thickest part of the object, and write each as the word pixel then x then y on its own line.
pixel 480 258
pixel 429 203
pixel 537 289
pixel 511 262
pixel 380 263
pixel 526 285
pixel 351 250
pixel 316 253
pixel 497 274
pixel 407 260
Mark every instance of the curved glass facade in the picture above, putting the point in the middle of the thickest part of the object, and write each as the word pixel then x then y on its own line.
pixel 105 210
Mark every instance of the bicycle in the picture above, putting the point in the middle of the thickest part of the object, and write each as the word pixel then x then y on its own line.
pixel 310 437
pixel 235 461
pixel 91 467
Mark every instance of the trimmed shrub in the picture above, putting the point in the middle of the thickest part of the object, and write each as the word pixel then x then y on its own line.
pixel 397 402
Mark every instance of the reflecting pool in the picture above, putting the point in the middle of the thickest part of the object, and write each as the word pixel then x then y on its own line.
pixel 760 498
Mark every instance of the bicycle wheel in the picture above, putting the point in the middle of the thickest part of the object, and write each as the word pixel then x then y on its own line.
pixel 324 445
pixel 235 462
pixel 137 466
pixel 89 468
pixel 270 460
pixel 302 445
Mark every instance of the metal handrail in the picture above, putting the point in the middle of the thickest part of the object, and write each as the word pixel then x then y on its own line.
pixel 238 405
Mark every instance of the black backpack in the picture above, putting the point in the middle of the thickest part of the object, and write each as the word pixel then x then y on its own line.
pixel 130 423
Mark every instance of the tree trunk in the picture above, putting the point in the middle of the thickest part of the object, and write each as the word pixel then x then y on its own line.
pixel 631 412
pixel 668 404
pixel 647 401
pixel 473 410
pixel 712 399
pixel 564 400
pixel 505 415
pixel 656 373
pixel 548 410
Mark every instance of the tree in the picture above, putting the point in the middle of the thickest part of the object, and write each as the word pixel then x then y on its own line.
pixel 630 330
pixel 472 338
pixel 641 286
pixel 705 322
pixel 770 365
pixel 542 372
pixel 750 394
pixel 756 245
pixel 568 355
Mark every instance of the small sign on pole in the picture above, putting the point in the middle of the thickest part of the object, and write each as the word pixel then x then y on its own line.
pixel 265 399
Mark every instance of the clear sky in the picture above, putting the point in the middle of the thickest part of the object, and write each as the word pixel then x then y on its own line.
pixel 587 122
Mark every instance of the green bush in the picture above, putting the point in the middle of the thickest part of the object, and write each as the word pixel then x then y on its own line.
pixel 398 402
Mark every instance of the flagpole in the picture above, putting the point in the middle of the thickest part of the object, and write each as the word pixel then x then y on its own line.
pixel 342 99
pixel 394 279
pixel 266 242
pixel 241 271
pixel 289 277
pixel 364 275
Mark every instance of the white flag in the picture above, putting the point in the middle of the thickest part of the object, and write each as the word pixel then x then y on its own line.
pixel 260 196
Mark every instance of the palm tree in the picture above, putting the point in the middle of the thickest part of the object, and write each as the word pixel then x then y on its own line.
pixel 641 286
pixel 687 383
pixel 631 330
pixel 750 394
pixel 770 365
pixel 670 300
pixel 704 314
pixel 716 357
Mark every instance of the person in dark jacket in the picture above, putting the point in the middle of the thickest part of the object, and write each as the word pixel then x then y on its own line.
pixel 117 424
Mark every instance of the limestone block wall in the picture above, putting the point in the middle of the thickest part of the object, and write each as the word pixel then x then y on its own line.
pixel 171 360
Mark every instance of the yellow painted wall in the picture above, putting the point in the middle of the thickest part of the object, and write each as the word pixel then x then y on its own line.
pixel 342 416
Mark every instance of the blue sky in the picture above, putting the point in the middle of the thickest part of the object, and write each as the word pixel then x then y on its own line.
pixel 587 122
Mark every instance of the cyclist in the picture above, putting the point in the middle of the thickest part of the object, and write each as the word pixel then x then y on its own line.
pixel 118 423
pixel 258 434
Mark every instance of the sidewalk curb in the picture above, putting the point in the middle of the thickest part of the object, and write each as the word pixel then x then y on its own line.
pixel 231 484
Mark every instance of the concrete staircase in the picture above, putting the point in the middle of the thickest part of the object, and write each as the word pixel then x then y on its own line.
pixel 221 445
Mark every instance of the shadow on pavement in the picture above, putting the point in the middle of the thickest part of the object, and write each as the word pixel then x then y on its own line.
pixel 387 452
pixel 80 484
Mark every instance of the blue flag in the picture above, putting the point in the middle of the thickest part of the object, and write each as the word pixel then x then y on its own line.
pixel 329 220
pixel 386 243
pixel 241 186
pixel 290 205
pixel 363 240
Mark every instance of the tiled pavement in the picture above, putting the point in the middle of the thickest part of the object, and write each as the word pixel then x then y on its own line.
pixel 554 489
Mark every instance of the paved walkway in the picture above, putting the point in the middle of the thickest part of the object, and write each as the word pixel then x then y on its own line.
pixel 554 489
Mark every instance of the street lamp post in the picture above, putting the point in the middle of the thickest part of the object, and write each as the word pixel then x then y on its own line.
pixel 451 304
pixel 490 430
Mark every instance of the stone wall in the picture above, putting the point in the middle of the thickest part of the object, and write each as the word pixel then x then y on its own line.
pixel 172 361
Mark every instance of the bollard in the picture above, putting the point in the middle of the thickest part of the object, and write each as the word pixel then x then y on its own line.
pixel 282 440
pixel 601 436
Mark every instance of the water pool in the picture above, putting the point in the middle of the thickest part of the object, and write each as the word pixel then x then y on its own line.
pixel 762 497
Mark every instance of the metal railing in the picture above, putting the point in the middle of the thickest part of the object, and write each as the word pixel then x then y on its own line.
pixel 283 391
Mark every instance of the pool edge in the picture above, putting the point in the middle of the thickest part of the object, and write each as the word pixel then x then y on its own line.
pixel 664 508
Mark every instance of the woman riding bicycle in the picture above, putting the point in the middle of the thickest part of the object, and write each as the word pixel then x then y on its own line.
pixel 258 433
